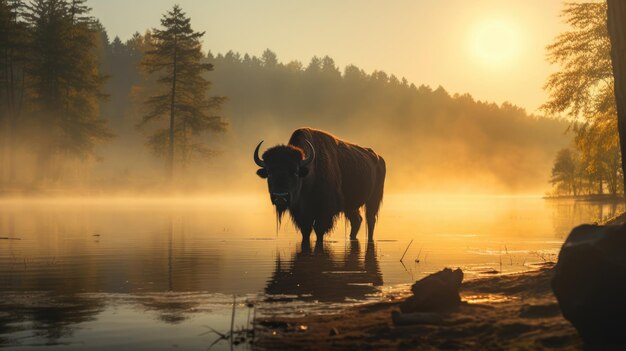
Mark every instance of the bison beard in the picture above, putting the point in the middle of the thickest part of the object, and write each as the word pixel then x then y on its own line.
pixel 340 179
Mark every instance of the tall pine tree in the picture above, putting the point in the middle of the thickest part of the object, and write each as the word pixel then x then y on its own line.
pixel 12 47
pixel 64 81
pixel 176 57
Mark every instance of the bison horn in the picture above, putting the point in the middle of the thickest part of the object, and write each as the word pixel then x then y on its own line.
pixel 311 157
pixel 257 159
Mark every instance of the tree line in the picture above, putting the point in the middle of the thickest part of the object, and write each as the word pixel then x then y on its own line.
pixel 427 134
pixel 53 77
pixel 583 90
pixel 88 115
pixel 432 139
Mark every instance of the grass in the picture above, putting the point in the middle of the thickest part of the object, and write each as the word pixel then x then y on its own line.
pixel 236 336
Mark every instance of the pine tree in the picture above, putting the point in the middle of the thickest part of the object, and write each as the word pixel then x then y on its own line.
pixel 176 57
pixel 12 47
pixel 65 82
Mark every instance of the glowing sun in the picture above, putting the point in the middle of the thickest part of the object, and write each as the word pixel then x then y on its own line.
pixel 495 42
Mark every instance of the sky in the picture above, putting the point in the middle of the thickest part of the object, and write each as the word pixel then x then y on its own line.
pixel 492 49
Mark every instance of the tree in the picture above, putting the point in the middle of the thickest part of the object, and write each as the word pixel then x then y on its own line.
pixel 269 58
pixel 564 172
pixel 65 85
pixel 616 13
pixel 583 86
pixel 177 57
pixel 583 89
pixel 600 154
pixel 12 46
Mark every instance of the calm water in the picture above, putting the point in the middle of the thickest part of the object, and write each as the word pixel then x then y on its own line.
pixel 158 274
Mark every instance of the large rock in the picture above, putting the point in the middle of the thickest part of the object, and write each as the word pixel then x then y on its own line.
pixel 436 292
pixel 590 283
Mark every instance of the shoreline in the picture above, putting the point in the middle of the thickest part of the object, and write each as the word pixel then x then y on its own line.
pixel 618 219
pixel 590 198
pixel 501 312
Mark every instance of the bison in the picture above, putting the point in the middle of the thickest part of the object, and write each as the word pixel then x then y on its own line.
pixel 317 177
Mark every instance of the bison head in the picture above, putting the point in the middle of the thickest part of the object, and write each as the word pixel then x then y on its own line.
pixel 284 166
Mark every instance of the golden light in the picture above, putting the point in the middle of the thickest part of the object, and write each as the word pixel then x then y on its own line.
pixel 496 42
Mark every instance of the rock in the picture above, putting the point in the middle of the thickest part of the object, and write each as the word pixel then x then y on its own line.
pixel 416 318
pixel 436 292
pixel 590 283
pixel 333 332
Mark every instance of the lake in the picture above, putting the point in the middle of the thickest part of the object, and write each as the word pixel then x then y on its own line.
pixel 160 274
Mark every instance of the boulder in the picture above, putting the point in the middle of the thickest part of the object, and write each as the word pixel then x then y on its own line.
pixel 590 283
pixel 436 292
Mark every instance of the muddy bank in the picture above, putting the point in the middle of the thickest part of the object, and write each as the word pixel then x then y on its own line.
pixel 502 312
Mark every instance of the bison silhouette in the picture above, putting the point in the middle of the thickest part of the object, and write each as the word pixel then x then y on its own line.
pixel 316 177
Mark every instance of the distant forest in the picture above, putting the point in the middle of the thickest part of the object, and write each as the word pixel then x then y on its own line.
pixel 432 140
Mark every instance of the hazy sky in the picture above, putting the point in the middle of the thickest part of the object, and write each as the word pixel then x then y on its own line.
pixel 493 49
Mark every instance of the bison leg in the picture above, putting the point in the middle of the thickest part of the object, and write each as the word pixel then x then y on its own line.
pixel 355 222
pixel 303 223
pixel 322 226
pixel 371 213
pixel 371 223
pixel 306 231
pixel 373 203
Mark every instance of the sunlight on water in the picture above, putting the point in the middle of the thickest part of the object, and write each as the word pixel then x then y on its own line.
pixel 487 298
pixel 157 273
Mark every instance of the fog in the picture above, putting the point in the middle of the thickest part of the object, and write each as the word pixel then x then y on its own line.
pixel 433 141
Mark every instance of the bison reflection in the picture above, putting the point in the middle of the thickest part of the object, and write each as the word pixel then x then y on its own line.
pixel 319 275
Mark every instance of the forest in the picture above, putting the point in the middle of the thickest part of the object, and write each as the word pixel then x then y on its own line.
pixel 86 113
pixel 583 90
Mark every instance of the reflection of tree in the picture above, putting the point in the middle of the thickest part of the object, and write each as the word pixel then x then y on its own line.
pixel 319 275
pixel 165 256
pixel 171 306
pixel 187 266
pixel 49 316
pixel 569 214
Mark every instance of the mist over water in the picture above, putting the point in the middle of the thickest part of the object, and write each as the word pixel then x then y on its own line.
pixel 71 269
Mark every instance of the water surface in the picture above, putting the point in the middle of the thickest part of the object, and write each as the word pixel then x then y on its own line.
pixel 158 274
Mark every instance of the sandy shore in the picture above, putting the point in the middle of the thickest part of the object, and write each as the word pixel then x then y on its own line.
pixel 515 312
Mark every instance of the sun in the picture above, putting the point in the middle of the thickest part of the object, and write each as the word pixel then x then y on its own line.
pixel 495 42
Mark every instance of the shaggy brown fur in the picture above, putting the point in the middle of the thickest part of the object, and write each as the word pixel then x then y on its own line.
pixel 342 178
